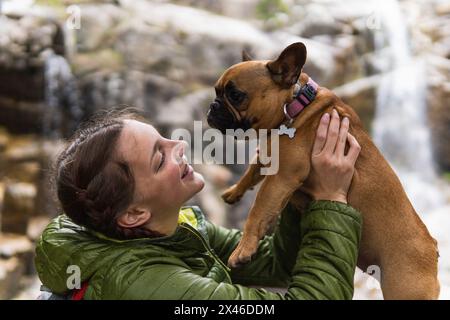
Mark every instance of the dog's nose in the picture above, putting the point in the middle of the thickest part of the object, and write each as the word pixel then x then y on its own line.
pixel 214 106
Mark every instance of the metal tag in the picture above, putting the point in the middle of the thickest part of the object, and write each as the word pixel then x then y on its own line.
pixel 290 132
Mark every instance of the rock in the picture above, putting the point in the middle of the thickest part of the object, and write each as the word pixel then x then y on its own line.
pixel 434 26
pixel 181 112
pixel 18 207
pixel 107 89
pixel 437 222
pixel 143 54
pixel 241 9
pixel 105 60
pixel 439 109
pixel 170 40
pixel 46 203
pixel 442 9
pixel 63 112
pixel 29 71
pixel 435 36
pixel 31 286
pixel 27 37
pixel 16 260
pixel 98 24
pixel 21 84
pixel 146 92
pixel 364 36
pixel 30 161
pixel 349 64
pixel 24 172
pixel 158 91
pixel 317 22
pixel 13 245
pixel 4 139
pixel 36 226
pixel 2 196
pixel 32 103
pixel 22 149
pixel 194 22
pixel 20 158
pixel 11 271
pixel 361 95
pixel 21 116
pixel 327 64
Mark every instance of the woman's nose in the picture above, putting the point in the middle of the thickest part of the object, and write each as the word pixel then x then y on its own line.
pixel 182 147
pixel 179 150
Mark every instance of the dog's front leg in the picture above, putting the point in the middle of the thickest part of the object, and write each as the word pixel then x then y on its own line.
pixel 275 192
pixel 251 178
pixel 272 197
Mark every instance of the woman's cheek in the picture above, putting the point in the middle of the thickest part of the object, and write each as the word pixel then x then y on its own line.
pixel 174 175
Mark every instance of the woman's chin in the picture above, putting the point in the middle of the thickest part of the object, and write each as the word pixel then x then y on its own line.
pixel 198 180
pixel 193 185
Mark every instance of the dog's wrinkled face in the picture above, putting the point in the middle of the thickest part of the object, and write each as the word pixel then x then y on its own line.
pixel 251 94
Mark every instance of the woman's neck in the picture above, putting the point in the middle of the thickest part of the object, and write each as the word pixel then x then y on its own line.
pixel 165 223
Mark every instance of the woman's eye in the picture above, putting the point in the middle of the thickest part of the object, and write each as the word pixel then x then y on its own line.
pixel 163 158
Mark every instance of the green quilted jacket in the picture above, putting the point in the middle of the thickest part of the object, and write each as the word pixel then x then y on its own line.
pixel 313 256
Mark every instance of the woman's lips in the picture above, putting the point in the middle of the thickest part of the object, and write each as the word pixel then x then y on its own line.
pixel 187 171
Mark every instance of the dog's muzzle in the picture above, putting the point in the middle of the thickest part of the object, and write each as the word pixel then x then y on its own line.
pixel 219 117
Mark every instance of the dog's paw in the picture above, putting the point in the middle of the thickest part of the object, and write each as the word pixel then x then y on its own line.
pixel 243 253
pixel 232 195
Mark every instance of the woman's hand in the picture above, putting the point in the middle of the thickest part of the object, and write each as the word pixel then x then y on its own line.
pixel 332 170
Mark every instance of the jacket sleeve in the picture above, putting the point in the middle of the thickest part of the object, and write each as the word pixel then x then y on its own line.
pixel 323 269
pixel 273 262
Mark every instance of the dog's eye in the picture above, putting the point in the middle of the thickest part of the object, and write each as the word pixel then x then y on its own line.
pixel 234 95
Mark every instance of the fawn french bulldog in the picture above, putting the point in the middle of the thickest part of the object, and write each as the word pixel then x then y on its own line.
pixel 276 93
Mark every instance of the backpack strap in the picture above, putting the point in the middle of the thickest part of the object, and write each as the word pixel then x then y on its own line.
pixel 78 294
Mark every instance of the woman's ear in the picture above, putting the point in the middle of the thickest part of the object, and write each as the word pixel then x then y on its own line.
pixel 134 217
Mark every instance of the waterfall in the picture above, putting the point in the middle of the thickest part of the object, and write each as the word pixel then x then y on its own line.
pixel 63 111
pixel 401 132
pixel 400 128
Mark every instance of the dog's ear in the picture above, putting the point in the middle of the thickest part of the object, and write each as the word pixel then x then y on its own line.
pixel 246 56
pixel 286 69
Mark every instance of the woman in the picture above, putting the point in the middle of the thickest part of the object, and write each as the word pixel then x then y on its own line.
pixel 122 188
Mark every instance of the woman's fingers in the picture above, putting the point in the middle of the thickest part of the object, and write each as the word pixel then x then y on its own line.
pixel 321 134
pixel 354 149
pixel 333 133
pixel 342 139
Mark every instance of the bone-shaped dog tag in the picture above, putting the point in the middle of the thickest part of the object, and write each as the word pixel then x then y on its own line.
pixel 290 132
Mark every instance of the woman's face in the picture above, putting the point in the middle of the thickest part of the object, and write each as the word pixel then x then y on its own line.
pixel 164 180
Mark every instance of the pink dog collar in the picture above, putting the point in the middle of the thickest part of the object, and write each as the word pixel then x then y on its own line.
pixel 302 98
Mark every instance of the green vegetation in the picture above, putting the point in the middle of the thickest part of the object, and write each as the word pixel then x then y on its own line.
pixel 446 176
pixel 50 3
pixel 267 9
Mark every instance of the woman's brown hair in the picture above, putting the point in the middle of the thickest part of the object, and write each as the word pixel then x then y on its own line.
pixel 94 185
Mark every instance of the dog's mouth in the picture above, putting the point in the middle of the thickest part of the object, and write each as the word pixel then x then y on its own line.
pixel 221 118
